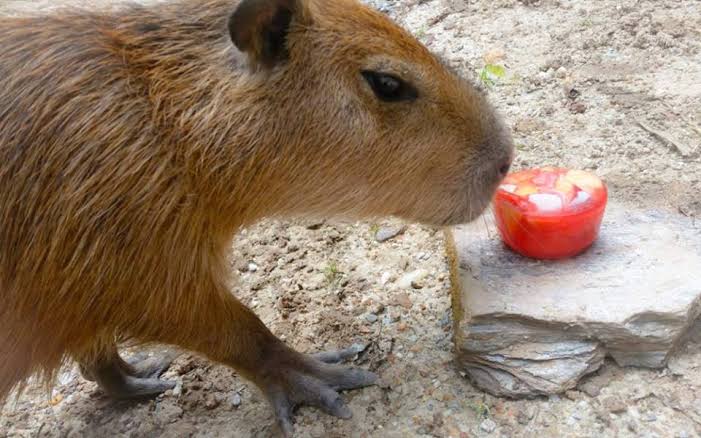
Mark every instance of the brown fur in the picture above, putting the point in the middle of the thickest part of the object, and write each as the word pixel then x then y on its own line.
pixel 134 144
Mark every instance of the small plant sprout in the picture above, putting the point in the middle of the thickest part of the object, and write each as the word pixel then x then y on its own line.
pixel 332 274
pixel 491 74
pixel 481 409
pixel 586 22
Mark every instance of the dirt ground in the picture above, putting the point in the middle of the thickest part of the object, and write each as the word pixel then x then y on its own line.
pixel 581 80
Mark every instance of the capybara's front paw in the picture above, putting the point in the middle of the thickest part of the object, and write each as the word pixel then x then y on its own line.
pixel 312 381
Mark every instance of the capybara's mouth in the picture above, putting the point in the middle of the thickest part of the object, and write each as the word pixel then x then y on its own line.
pixel 472 211
pixel 477 205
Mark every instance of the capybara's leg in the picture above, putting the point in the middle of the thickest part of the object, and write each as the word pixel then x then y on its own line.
pixel 134 378
pixel 227 331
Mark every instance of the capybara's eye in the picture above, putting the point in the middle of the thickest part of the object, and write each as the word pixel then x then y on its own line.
pixel 388 87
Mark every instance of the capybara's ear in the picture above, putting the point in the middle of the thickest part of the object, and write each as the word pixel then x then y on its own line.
pixel 259 28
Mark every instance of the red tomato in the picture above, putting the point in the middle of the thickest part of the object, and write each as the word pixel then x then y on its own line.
pixel 550 213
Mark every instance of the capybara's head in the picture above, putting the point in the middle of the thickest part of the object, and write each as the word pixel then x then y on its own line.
pixel 368 121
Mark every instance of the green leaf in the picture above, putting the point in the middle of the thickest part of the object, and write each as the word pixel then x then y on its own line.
pixel 491 73
pixel 495 70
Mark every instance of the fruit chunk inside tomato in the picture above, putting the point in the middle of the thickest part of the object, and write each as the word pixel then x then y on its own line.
pixel 550 212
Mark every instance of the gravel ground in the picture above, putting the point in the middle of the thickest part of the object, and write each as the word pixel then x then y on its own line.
pixel 580 79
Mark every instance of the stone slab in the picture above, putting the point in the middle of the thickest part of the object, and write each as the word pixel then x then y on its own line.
pixel 525 327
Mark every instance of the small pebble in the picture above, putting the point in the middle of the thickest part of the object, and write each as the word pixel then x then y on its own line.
pixel 569 90
pixel 614 405
pixel 403 300
pixel 592 387
pixel 211 402
pixel 169 413
pixel 385 278
pixel 545 76
pixel 649 417
pixel 494 56
pixel 235 400
pixel 403 262
pixel 573 395
pixel 317 431
pixel 578 108
pixel 522 418
pixel 252 267
pixel 406 280
pixel 178 389
pixel 488 425
pixel 315 225
pixel 371 317
pixel 377 308
pixel 390 318
pixel 386 233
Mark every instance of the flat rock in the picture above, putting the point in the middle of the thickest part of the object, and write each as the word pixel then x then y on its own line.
pixel 525 327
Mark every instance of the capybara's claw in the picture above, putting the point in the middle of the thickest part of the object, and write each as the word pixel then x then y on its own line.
pixel 337 356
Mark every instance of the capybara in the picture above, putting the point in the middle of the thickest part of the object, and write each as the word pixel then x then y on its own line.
pixel 136 140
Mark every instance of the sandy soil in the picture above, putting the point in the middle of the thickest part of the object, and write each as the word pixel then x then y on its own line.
pixel 581 77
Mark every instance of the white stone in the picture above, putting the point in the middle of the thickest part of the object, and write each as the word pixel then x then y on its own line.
pixel 407 279
pixel 385 278
pixel 488 425
pixel 387 233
